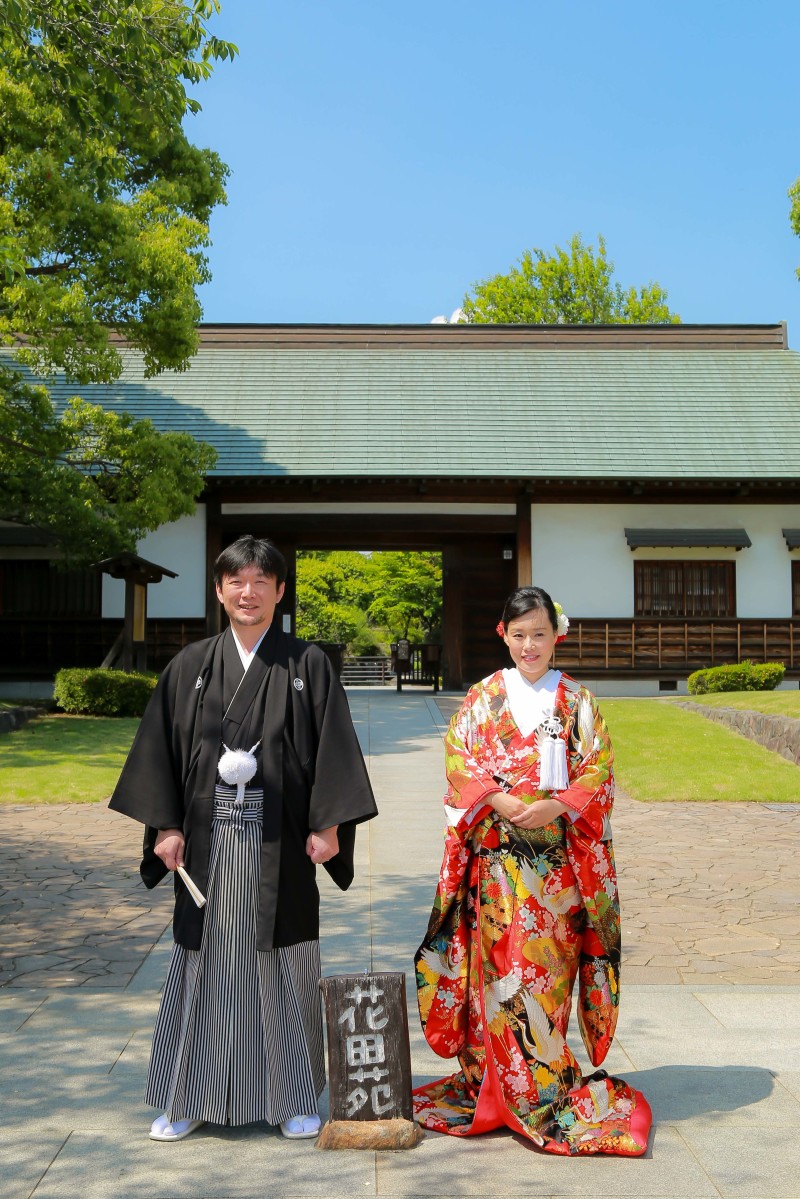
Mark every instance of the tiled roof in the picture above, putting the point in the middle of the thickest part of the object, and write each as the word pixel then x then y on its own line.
pixel 334 408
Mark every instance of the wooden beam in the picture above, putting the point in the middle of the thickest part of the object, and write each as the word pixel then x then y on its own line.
pixel 213 551
pixel 452 617
pixel 524 530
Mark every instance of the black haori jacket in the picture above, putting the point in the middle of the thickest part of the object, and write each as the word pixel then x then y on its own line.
pixel 311 766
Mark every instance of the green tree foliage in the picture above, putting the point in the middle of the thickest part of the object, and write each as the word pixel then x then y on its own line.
pixel 333 595
pixel 408 593
pixel 95 480
pixel 104 209
pixel 794 213
pixel 367 601
pixel 568 287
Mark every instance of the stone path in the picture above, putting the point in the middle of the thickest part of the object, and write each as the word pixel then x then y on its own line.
pixel 708 1023
pixel 73 910
pixel 710 893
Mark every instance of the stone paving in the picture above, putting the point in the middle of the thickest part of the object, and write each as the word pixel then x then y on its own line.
pixel 708 1024
pixel 710 893
pixel 73 910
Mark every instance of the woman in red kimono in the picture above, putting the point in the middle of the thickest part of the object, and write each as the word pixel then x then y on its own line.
pixel 526 905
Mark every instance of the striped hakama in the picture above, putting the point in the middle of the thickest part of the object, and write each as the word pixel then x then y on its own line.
pixel 239 1032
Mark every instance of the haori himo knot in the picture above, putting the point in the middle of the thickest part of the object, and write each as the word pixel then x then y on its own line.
pixel 237 767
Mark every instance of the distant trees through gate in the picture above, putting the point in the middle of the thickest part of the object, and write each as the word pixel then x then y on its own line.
pixel 366 600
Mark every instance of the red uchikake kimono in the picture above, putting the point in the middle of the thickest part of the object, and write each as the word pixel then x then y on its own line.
pixel 520 914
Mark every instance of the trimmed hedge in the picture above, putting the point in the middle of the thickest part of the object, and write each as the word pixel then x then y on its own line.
pixel 96 692
pixel 739 676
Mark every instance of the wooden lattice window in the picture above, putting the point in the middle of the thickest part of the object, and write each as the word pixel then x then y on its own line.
pixel 684 588
pixel 796 587
pixel 34 587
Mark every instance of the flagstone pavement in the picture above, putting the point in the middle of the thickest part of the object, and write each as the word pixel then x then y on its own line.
pixel 709 1026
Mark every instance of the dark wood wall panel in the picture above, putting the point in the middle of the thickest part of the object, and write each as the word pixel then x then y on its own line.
pixel 37 647
pixel 486 580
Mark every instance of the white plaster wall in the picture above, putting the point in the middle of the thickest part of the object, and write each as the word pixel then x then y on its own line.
pixel 581 557
pixel 640 688
pixel 180 546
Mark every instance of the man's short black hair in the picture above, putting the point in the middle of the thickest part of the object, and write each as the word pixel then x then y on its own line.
pixel 250 551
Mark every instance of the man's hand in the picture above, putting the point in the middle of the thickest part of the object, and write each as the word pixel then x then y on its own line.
pixel 169 847
pixel 323 845
pixel 539 813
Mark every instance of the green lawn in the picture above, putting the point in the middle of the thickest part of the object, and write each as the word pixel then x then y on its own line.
pixel 662 753
pixel 774 703
pixel 63 759
pixel 665 753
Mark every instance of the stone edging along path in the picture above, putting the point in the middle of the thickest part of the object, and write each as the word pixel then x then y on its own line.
pixel 781 734
pixel 14 718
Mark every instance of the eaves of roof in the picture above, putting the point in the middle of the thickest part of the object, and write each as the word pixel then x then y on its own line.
pixel 514 411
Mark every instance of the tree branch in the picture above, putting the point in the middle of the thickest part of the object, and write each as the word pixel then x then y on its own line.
pixel 55 268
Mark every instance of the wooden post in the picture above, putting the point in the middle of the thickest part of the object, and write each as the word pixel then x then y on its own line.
pixel 403 661
pixel 127 643
pixel 288 605
pixel 369 1063
pixel 140 626
pixel 213 551
pixel 524 553
pixel 452 615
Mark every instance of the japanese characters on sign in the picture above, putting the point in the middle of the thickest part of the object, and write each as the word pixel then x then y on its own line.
pixel 370 1065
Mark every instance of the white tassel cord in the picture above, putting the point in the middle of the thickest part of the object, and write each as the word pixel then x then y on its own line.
pixel 553 774
pixel 237 767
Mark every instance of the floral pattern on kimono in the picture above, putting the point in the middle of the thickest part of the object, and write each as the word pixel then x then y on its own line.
pixel 519 916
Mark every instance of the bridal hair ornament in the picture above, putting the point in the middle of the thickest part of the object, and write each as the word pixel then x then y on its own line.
pixel 237 767
pixel 552 756
pixel 562 624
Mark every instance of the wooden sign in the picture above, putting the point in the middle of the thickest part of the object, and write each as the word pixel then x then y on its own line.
pixel 369 1058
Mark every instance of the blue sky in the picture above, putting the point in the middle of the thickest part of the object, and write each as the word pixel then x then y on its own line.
pixel 386 156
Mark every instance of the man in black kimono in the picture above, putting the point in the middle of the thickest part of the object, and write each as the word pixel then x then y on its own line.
pixel 239 1033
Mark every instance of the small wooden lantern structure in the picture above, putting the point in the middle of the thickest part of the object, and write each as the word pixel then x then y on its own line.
pixel 137 573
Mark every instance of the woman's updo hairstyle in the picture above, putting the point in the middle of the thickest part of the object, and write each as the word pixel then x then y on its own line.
pixel 529 599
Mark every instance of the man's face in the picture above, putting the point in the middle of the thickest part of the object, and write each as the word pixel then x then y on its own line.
pixel 249 597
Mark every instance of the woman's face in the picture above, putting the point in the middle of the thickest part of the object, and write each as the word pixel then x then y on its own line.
pixel 531 640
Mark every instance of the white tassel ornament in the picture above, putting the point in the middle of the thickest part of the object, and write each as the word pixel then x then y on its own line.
pixel 237 767
pixel 552 756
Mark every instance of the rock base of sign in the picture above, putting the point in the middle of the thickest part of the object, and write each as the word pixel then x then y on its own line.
pixel 370 1134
